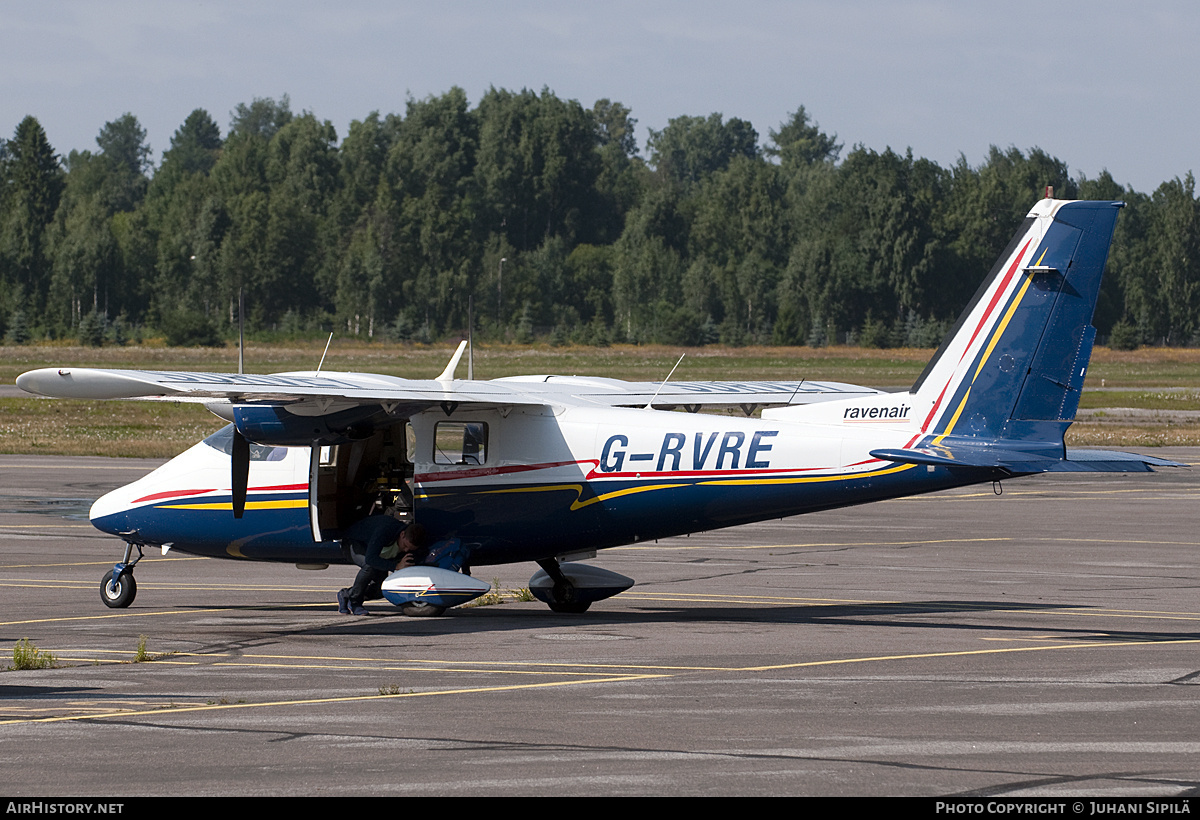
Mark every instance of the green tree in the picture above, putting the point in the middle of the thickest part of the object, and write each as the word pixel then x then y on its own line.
pixel 800 142
pixel 623 175
pixel 126 160
pixel 690 149
pixel 33 185
pixel 195 146
pixel 1172 268
pixel 739 241
pixel 262 118
pixel 648 268
pixel 537 166
pixel 430 226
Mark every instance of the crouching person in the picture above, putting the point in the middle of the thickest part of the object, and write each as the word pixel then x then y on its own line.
pixel 389 544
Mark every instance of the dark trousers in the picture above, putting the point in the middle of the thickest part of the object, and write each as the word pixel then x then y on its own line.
pixel 366 586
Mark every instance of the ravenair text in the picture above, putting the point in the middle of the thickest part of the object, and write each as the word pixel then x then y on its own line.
pixel 900 411
pixel 727 450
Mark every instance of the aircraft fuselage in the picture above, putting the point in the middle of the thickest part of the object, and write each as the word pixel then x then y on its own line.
pixel 544 483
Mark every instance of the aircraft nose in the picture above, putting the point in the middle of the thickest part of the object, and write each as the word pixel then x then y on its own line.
pixel 110 513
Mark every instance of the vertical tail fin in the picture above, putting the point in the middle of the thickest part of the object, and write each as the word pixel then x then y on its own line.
pixel 1013 366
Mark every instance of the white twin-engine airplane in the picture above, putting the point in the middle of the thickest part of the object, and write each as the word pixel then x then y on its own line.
pixel 547 468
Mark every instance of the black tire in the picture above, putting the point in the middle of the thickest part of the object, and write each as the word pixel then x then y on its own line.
pixel 562 599
pixel 120 594
pixel 420 610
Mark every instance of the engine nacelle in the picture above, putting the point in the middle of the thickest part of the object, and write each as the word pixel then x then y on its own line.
pixel 276 425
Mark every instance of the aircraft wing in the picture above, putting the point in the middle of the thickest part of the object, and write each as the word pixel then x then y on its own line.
pixel 366 388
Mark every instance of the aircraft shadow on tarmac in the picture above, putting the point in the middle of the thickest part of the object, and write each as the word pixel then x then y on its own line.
pixel 500 618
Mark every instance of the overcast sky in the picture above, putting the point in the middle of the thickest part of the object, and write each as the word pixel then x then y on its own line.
pixel 1098 84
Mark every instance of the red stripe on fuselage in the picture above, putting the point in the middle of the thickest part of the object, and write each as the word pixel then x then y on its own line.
pixel 286 488
pixel 425 478
pixel 172 494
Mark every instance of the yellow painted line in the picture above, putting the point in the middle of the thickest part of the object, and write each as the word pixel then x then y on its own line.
pixel 123 652
pixel 943 497
pixel 1086 613
pixel 735 547
pixel 401 668
pixel 108 616
pixel 146 561
pixel 177 586
pixel 312 701
pixel 37 526
pixel 719 598
pixel 433 664
pixel 962 653
pixel 595 680
pixel 1115 541
pixel 73 467
pixel 1044 609
pixel 178 612
pixel 388 664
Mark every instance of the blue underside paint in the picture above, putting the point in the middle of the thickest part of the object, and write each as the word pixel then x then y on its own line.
pixel 530 522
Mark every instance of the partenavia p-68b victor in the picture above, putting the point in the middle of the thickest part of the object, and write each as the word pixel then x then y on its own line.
pixel 546 468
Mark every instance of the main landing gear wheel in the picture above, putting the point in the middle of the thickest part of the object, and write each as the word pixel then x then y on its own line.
pixel 422 610
pixel 573 607
pixel 120 594
pixel 571 588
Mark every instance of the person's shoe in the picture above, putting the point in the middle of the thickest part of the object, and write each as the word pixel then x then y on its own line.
pixel 343 602
pixel 359 610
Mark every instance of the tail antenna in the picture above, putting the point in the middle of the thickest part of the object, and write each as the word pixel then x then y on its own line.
pixel 322 362
pixel 664 383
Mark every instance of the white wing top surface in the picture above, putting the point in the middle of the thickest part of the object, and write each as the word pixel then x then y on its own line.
pixel 367 388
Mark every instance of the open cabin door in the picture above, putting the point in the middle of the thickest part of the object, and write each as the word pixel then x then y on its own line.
pixel 348 482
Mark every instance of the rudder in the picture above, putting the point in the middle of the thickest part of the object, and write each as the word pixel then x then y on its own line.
pixel 1014 366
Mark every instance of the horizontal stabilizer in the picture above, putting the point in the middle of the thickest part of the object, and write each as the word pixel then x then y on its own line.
pixel 978 456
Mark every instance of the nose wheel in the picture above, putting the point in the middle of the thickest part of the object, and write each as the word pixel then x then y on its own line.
pixel 118 593
pixel 117 588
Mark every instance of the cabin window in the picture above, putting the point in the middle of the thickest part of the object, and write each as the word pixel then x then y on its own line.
pixel 223 440
pixel 459 442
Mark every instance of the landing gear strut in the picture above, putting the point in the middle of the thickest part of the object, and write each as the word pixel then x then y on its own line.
pixel 117 588
pixel 562 597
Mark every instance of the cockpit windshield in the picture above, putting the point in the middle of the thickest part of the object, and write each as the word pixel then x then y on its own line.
pixel 223 440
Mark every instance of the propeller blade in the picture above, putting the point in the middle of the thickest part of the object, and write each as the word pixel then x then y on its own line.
pixel 241 472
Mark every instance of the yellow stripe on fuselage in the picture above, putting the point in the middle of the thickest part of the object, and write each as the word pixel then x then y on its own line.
pixel 285 504
pixel 728 482
pixel 817 479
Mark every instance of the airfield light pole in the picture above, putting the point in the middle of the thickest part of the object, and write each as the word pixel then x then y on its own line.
pixel 241 330
pixel 500 291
